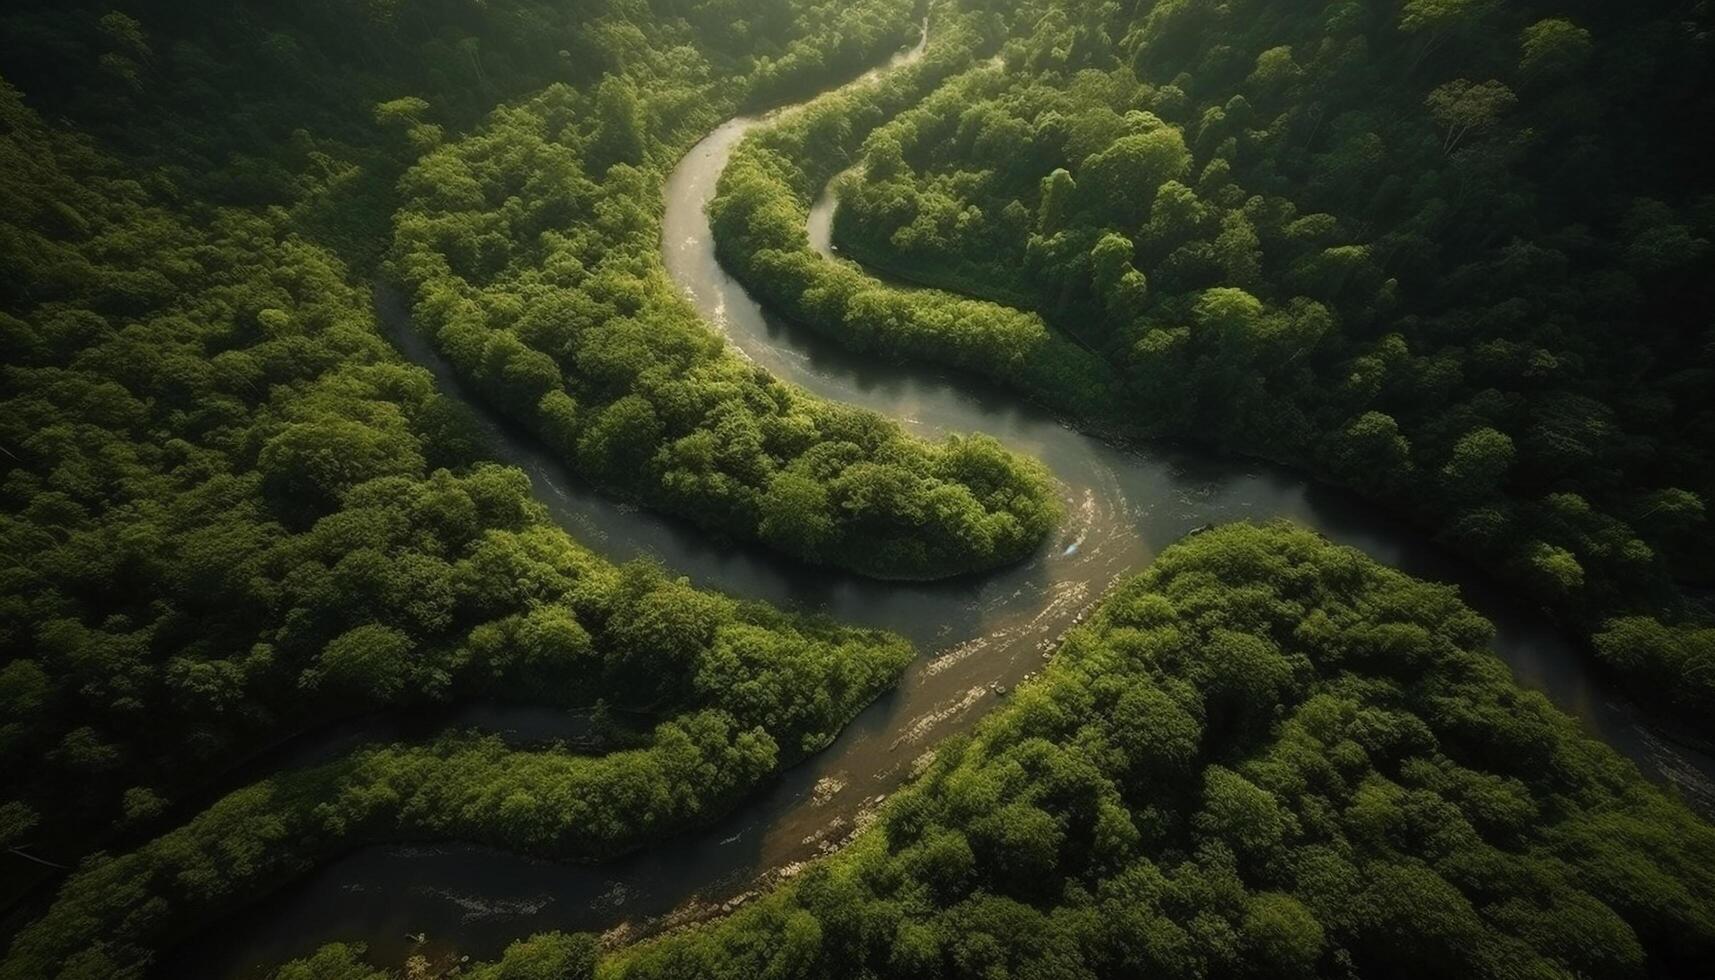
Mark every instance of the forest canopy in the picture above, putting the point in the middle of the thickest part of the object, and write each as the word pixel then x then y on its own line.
pixel 233 513
pixel 1265 756
pixel 1448 254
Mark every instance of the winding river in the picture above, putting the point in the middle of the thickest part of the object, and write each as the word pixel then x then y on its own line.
pixel 976 635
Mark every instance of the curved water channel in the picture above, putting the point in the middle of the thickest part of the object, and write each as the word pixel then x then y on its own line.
pixel 1123 505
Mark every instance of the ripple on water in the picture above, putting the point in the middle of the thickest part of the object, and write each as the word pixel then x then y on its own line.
pixel 475 908
pixel 825 789
pixel 925 723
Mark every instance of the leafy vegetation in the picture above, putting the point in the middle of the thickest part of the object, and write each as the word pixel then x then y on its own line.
pixel 759 216
pixel 320 105
pixel 114 915
pixel 1419 247
pixel 532 251
pixel 1446 251
pixel 244 516
pixel 1265 756
pixel 709 441
pixel 231 513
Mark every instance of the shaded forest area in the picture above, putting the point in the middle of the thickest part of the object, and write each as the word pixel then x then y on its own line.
pixel 1266 756
pixel 326 135
pixel 1447 252
pixel 232 513
pixel 260 104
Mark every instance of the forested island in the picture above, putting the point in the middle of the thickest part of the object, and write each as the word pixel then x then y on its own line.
pixel 352 369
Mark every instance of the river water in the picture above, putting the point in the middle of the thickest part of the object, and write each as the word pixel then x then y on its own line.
pixel 975 635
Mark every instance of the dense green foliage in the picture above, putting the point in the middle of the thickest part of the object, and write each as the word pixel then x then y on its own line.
pixel 215 468
pixel 759 223
pixel 1449 254
pixel 532 250
pixel 244 515
pixel 231 513
pixel 222 492
pixel 360 95
pixel 1267 756
pixel 115 914
pixel 1443 250
pixel 319 105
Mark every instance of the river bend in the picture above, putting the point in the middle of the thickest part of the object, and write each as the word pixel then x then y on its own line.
pixel 977 635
